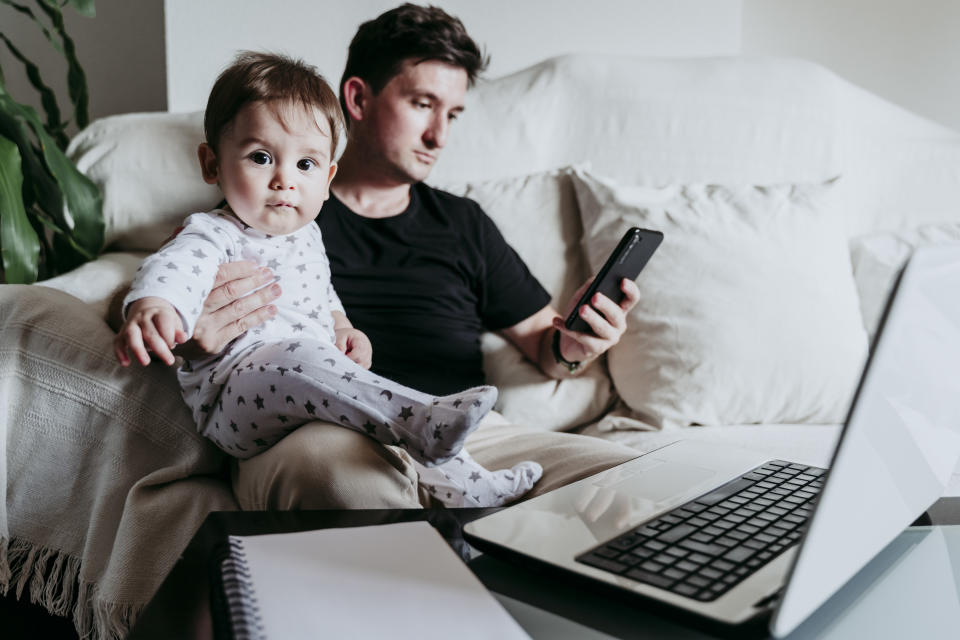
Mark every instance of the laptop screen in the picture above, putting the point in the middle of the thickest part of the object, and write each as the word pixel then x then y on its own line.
pixel 901 440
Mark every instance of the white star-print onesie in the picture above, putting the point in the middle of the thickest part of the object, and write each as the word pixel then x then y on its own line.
pixel 276 377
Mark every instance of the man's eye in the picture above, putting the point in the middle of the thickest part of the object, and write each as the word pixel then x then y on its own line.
pixel 453 116
pixel 422 105
pixel 260 157
pixel 306 164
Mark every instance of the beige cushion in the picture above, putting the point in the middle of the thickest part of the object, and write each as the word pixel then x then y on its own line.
pixel 538 216
pixel 748 312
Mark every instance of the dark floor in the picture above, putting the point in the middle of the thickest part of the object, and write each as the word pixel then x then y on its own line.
pixel 19 619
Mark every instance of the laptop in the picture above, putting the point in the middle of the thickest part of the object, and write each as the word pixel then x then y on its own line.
pixel 734 537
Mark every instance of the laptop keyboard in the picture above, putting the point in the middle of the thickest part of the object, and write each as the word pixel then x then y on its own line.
pixel 707 546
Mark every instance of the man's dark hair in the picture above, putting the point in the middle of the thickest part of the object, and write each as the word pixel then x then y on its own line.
pixel 409 32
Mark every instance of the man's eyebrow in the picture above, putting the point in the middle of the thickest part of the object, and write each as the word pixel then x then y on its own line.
pixel 423 93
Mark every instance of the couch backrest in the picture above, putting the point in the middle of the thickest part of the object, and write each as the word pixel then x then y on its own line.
pixel 655 121
pixel 754 121
pixel 735 121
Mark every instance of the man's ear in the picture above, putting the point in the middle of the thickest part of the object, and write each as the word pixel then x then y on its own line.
pixel 208 163
pixel 355 96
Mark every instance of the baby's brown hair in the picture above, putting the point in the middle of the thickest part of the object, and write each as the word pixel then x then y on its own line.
pixel 269 77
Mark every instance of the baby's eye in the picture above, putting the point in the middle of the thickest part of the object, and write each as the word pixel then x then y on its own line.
pixel 260 157
pixel 306 164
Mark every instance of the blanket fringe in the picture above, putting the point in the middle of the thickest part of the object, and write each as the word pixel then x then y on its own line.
pixel 51 578
pixel 4 565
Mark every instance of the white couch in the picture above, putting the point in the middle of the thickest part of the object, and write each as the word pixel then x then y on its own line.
pixel 788 198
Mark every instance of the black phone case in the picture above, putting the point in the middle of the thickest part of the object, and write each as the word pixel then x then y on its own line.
pixel 627 261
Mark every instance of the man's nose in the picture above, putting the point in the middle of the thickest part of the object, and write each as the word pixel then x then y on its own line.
pixel 435 136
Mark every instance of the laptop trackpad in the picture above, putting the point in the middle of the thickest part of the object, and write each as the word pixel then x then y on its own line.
pixel 656 481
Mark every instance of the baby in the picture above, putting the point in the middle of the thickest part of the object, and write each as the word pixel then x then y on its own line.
pixel 272 126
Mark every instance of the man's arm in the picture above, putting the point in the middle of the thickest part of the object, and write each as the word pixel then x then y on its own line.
pixel 534 335
pixel 227 312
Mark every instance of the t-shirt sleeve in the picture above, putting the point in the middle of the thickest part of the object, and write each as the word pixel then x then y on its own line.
pixel 510 292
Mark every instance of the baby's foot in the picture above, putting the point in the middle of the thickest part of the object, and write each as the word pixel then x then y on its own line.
pixel 451 419
pixel 462 482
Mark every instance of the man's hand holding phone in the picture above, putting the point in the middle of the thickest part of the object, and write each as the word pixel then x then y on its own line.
pixel 606 320
pixel 598 318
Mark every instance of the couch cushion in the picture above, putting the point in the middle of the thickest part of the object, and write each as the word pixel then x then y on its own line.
pixel 146 165
pixel 538 216
pixel 97 281
pixel 878 257
pixel 748 311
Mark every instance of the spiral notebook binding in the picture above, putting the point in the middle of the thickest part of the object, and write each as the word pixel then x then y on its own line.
pixel 242 608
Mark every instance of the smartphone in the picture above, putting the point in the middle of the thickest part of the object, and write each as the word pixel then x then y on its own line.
pixel 627 261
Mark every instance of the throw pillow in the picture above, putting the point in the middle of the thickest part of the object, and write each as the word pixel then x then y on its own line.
pixel 538 216
pixel 748 311
pixel 146 167
pixel 878 257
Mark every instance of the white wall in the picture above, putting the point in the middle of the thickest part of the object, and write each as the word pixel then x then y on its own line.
pixel 907 52
pixel 121 50
pixel 201 40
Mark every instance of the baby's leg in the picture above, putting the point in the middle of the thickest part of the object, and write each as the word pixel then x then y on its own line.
pixel 283 385
pixel 462 482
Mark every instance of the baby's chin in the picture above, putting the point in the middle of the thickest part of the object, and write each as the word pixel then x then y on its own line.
pixel 273 228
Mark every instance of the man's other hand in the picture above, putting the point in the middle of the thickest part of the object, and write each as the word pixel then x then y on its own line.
pixel 228 311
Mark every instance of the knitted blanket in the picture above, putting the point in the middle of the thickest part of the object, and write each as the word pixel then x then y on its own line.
pixel 103 477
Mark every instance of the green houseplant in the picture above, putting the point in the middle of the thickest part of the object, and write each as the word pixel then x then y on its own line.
pixel 51 216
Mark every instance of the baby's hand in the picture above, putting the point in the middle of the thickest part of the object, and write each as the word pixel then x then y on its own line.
pixel 152 323
pixel 355 345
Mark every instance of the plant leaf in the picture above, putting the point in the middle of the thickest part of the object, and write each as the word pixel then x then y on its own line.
pixel 76 78
pixel 25 10
pixel 84 7
pixel 84 219
pixel 47 97
pixel 19 243
pixel 40 185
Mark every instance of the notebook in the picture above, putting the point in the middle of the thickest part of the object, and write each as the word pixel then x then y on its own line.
pixel 733 537
pixel 394 580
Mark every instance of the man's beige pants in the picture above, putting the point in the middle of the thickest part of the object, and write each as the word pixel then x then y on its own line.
pixel 324 466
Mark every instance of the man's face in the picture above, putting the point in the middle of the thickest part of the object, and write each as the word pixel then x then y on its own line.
pixel 405 126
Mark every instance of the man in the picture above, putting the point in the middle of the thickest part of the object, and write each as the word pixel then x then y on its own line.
pixel 422 273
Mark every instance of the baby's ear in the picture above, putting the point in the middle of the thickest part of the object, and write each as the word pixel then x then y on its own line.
pixel 208 163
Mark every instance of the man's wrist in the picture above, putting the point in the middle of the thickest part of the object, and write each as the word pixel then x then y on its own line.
pixel 572 366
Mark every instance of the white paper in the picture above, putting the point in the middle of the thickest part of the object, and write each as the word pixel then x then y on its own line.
pixel 397 580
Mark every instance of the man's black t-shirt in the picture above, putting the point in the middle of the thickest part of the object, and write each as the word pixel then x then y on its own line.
pixel 424 284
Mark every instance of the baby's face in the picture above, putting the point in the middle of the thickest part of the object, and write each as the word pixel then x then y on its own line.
pixel 274 166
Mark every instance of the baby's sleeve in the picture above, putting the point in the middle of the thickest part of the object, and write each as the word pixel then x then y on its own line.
pixel 183 271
